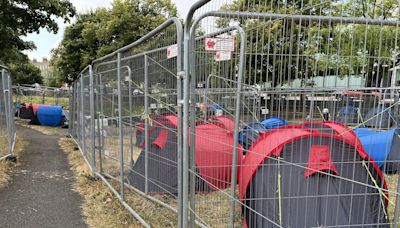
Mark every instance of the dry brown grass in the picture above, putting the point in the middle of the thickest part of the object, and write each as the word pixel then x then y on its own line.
pixel 101 208
pixel 392 186
pixel 42 129
pixel 6 166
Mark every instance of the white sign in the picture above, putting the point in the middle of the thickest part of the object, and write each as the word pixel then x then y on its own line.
pixel 219 44
pixel 222 56
pixel 172 51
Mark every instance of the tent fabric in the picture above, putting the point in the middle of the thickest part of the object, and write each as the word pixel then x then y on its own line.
pixel 382 146
pixel 24 111
pixel 379 117
pixel 273 122
pixel 392 163
pixel 347 115
pixel 50 115
pixel 156 121
pixel 251 131
pixel 227 122
pixel 36 108
pixel 376 144
pixel 336 128
pixel 307 204
pixel 214 147
pixel 162 160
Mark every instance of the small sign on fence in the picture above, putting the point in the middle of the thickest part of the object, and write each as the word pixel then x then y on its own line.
pixel 222 56
pixel 226 44
pixel 172 51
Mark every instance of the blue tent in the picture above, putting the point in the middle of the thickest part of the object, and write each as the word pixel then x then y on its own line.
pixel 251 131
pixel 273 122
pixel 347 115
pixel 382 146
pixel 50 115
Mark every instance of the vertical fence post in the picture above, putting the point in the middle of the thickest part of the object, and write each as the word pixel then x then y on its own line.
pixel 82 117
pixel 92 118
pixel 3 75
pixel 101 125
pixel 120 126
pixel 130 117
pixel 192 136
pixel 9 114
pixel 146 125
pixel 397 207
pixel 241 74
pixel 71 110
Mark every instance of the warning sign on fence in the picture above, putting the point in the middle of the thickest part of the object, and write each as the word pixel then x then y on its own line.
pixel 220 44
pixel 172 51
pixel 222 56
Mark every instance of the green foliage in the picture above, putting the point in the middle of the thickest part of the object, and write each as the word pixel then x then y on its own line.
pixel 97 33
pixel 19 18
pixel 284 49
pixel 25 73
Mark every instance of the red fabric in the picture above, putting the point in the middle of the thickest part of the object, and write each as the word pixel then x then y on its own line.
pixel 161 139
pixel 343 131
pixel 158 121
pixel 214 147
pixel 348 135
pixel 227 122
pixel 35 108
pixel 319 160
pixel 27 105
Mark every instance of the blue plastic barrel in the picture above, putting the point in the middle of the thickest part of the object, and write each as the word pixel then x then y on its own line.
pixel 50 115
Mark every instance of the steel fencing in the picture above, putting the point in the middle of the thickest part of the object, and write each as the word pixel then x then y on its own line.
pixel 255 114
pixel 7 126
pixel 37 94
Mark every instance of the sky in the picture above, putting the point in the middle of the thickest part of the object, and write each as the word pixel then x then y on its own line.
pixel 46 41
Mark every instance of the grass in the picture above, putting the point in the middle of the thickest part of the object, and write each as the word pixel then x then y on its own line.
pixel 42 129
pixel 6 167
pixel 101 208
pixel 61 101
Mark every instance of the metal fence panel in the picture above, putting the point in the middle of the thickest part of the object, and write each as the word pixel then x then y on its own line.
pixel 266 114
pixel 7 126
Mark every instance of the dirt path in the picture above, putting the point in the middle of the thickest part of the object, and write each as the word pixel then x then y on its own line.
pixel 40 191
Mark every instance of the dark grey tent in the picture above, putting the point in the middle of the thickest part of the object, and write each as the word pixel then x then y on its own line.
pixel 380 117
pixel 213 159
pixel 162 159
pixel 309 179
pixel 392 164
pixel 24 111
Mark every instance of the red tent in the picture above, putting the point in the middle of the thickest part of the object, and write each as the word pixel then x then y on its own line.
pixel 214 147
pixel 290 172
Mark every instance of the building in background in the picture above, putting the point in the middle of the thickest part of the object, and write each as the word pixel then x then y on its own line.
pixel 44 67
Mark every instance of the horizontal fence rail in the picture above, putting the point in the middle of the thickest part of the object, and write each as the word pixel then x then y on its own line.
pixel 254 114
pixel 37 94
pixel 7 126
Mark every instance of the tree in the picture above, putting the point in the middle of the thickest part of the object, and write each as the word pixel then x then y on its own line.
pixel 97 33
pixel 25 73
pixel 283 49
pixel 19 18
